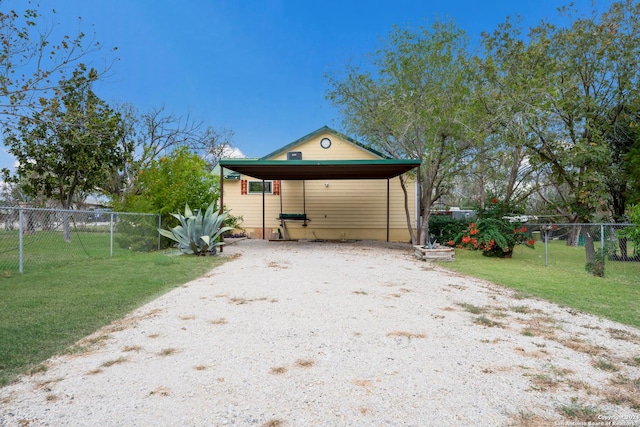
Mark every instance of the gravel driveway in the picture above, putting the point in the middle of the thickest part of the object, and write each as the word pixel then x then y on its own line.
pixel 338 334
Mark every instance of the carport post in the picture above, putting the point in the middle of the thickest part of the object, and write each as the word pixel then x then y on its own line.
pixel 221 202
pixel 263 222
pixel 387 209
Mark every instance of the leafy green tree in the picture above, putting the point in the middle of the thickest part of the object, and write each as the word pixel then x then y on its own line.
pixel 500 168
pixel 30 58
pixel 632 233
pixel 152 135
pixel 622 181
pixel 570 85
pixel 414 105
pixel 69 146
pixel 168 184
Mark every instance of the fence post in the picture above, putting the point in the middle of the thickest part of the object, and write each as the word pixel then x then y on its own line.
pixel 111 236
pixel 546 248
pixel 20 234
pixel 602 239
pixel 159 227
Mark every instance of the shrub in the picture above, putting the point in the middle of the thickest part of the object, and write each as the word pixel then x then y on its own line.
pixel 444 228
pixel 632 234
pixel 138 233
pixel 493 234
pixel 198 233
pixel 165 186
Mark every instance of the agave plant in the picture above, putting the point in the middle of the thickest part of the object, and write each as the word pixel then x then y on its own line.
pixel 198 233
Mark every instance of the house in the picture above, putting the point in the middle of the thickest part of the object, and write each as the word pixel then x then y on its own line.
pixel 322 186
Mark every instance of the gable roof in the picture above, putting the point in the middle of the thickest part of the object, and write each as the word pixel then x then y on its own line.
pixel 320 131
pixel 266 169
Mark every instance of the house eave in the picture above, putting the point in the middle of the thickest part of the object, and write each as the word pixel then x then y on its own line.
pixel 320 169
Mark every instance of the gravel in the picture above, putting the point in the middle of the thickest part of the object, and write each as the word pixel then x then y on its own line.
pixel 347 334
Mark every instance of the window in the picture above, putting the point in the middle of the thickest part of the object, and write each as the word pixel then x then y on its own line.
pixel 255 187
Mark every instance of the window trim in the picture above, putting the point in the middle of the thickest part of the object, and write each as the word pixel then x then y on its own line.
pixel 268 183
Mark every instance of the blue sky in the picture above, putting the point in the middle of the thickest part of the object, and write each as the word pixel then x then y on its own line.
pixel 255 67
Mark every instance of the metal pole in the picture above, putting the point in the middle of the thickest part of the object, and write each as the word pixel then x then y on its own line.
pixel 304 200
pixel 263 219
pixel 159 227
pixel 418 206
pixel 21 242
pixel 111 236
pixel 221 202
pixel 388 209
pixel 602 240
pixel 546 248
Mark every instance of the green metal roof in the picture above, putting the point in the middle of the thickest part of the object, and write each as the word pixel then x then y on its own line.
pixel 320 169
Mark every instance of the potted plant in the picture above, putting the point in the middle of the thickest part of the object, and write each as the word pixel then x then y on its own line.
pixel 433 251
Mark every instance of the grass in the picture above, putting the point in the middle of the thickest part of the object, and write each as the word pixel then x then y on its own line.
pixel 565 281
pixel 473 309
pixel 47 249
pixel 485 321
pixel 582 413
pixel 44 312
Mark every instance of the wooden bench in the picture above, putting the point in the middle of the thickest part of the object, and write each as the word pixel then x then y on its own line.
pixel 292 217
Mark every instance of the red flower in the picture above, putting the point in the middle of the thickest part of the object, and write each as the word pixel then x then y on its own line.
pixel 473 231
pixel 451 243
pixel 531 242
pixel 466 239
pixel 494 200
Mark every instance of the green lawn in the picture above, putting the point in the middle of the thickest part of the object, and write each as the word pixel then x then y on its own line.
pixel 565 281
pixel 46 249
pixel 44 312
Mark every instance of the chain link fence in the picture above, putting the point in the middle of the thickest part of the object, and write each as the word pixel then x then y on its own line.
pixel 32 238
pixel 564 244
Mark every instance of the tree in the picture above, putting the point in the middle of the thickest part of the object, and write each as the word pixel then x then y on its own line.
pixel 165 186
pixel 632 233
pixel 413 105
pixel 623 138
pixel 575 83
pixel 70 145
pixel 31 61
pixel 500 168
pixel 156 134
pixel 169 183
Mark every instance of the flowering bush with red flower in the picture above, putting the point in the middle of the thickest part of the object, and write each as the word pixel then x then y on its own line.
pixel 494 237
pixel 492 234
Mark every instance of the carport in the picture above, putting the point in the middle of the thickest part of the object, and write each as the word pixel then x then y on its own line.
pixel 266 170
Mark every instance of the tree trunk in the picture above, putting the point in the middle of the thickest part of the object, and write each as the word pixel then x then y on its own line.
pixel 624 252
pixel 595 261
pixel 66 225
pixel 424 227
pixel 407 212
pixel 574 235
pixel 619 204
pixel 424 224
pixel 589 248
